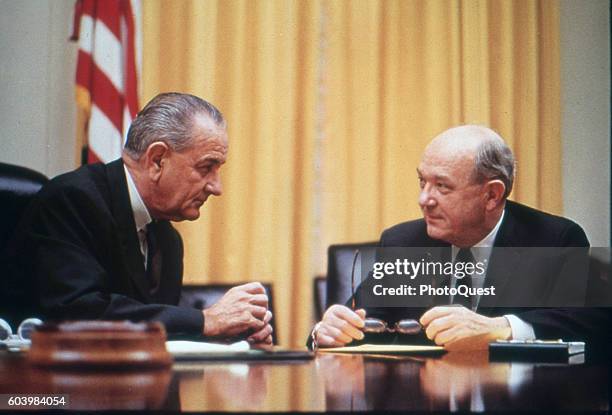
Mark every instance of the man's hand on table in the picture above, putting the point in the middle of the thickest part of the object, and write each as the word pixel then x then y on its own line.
pixel 242 309
pixel 340 325
pixel 457 328
pixel 263 336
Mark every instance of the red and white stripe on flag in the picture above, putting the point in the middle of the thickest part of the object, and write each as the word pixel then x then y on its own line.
pixel 107 72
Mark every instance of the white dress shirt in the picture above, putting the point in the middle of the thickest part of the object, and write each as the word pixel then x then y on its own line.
pixel 141 215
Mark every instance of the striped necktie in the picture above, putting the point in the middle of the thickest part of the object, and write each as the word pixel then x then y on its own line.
pixel 465 256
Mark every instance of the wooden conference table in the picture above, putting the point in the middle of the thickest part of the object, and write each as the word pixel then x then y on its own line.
pixel 330 382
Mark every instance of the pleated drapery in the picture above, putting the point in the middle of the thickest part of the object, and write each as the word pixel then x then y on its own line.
pixel 329 106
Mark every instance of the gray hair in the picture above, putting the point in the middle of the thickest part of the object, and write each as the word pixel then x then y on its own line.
pixel 169 118
pixel 494 161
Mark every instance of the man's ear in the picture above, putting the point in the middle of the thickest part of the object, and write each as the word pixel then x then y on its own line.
pixel 494 193
pixel 155 157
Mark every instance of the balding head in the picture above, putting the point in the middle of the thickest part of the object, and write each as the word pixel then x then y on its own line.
pixel 491 158
pixel 462 139
pixel 465 174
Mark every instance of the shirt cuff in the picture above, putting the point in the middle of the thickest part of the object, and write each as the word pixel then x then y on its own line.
pixel 520 329
pixel 312 341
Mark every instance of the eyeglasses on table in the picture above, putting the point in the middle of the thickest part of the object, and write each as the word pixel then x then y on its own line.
pixel 375 325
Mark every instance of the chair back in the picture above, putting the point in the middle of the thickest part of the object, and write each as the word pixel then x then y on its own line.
pixel 319 285
pixel 205 295
pixel 339 268
pixel 18 185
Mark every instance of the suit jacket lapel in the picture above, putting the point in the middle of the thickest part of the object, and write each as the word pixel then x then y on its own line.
pixel 510 233
pixel 501 271
pixel 126 227
pixel 170 281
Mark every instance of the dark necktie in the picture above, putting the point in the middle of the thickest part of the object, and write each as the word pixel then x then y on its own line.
pixel 153 271
pixel 465 256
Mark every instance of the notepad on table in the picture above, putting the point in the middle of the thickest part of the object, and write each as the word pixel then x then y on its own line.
pixel 182 348
pixel 239 351
pixel 385 349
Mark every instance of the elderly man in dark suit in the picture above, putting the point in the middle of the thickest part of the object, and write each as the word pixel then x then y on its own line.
pixel 465 175
pixel 97 242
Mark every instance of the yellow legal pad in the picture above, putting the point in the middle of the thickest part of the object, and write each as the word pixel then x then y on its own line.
pixel 385 349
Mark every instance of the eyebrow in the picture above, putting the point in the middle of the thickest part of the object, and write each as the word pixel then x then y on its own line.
pixel 437 176
pixel 210 159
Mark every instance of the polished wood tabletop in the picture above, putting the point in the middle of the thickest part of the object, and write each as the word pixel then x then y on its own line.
pixel 330 382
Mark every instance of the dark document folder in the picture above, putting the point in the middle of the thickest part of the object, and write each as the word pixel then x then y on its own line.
pixel 534 350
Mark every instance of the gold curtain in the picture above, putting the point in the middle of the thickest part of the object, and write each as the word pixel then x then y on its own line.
pixel 330 104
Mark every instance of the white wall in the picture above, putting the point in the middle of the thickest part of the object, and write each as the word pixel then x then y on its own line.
pixel 585 128
pixel 37 115
pixel 37 66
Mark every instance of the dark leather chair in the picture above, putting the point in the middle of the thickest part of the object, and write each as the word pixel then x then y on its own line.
pixel 319 289
pixel 18 185
pixel 204 296
pixel 339 268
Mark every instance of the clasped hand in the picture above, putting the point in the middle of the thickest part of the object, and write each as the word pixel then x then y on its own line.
pixel 243 310
pixel 455 328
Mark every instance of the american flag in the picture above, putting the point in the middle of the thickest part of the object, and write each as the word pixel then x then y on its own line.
pixel 108 35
